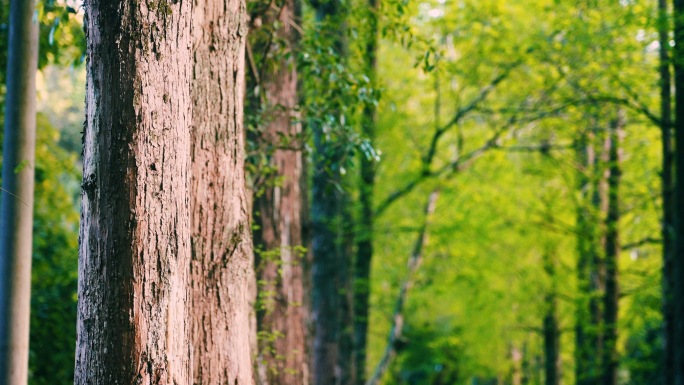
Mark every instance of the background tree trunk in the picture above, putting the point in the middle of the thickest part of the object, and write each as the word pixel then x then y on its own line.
pixel 612 254
pixel 364 247
pixel 16 206
pixel 278 208
pixel 678 197
pixel 134 256
pixel 222 266
pixel 667 185
pixel 589 314
pixel 550 327
pixel 329 265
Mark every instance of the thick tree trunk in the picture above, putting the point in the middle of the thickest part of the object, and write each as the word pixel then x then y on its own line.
pixel 222 266
pixel 134 256
pixel 677 341
pixel 278 208
pixel 667 184
pixel 364 247
pixel 610 362
pixel 16 204
pixel 325 290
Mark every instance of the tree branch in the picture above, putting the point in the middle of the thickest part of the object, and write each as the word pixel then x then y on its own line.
pixel 398 317
pixel 463 162
pixel 642 242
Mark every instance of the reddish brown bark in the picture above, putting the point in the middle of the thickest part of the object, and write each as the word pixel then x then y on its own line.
pixel 221 270
pixel 134 254
pixel 278 207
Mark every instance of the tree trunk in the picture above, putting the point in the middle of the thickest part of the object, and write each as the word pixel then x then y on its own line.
pixel 16 206
pixel 517 357
pixel 667 184
pixel 222 266
pixel 677 341
pixel 329 266
pixel 414 262
pixel 612 254
pixel 134 254
pixel 364 247
pixel 551 330
pixel 589 314
pixel 345 243
pixel 326 259
pixel 278 208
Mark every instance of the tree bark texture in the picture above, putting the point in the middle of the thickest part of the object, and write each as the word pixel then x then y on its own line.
pixel 134 254
pixel 278 208
pixel 364 246
pixel 16 204
pixel 677 341
pixel 222 260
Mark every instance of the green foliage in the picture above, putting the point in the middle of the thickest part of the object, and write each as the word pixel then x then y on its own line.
pixel 567 67
pixel 427 357
pixel 62 40
pixel 55 257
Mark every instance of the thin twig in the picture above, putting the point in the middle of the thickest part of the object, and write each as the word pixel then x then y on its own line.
pixel 20 200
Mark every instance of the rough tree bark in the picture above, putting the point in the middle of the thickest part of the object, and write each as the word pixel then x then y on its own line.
pixel 134 254
pixel 278 207
pixel 222 267
pixel 610 359
pixel 364 246
pixel 16 206
pixel 677 341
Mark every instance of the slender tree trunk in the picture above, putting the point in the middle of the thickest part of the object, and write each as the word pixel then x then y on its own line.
pixel 134 256
pixel 278 211
pixel 667 184
pixel 677 341
pixel 397 327
pixel 364 247
pixel 612 254
pixel 345 243
pixel 590 265
pixel 516 357
pixel 16 204
pixel 551 330
pixel 222 265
